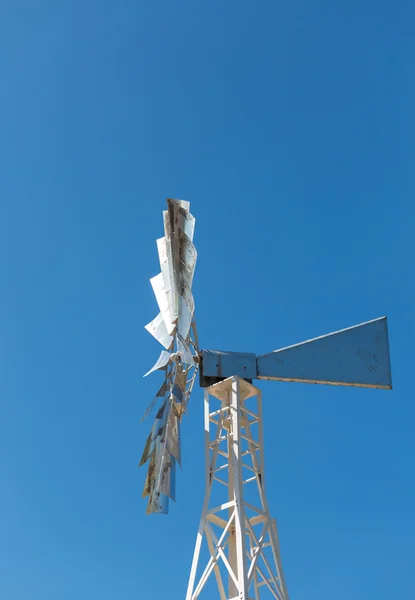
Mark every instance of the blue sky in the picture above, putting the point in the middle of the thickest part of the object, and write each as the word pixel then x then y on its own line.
pixel 290 128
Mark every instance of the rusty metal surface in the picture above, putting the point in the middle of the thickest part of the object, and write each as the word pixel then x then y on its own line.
pixel 162 449
pixel 173 436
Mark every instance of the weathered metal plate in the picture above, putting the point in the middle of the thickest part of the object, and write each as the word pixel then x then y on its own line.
pixel 357 356
pixel 164 483
pixel 157 328
pixel 154 435
pixel 147 450
pixel 160 394
pixel 173 480
pixel 188 255
pixel 225 364
pixel 158 504
pixel 185 318
pixel 180 377
pixel 173 436
pixel 149 482
pixel 166 266
pixel 185 204
pixel 184 349
pixel 162 362
pixel 177 392
pixel 186 292
pixel 180 217
pixel 177 256
pixel 157 283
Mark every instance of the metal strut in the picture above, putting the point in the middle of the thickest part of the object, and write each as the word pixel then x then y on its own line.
pixel 237 540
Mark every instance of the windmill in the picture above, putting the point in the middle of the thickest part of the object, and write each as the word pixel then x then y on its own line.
pixel 237 546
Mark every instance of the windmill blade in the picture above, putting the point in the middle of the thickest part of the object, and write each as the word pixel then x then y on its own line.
pixel 357 356
pixel 157 328
pixel 155 432
pixel 184 349
pixel 158 504
pixel 175 329
pixel 173 436
pixel 173 286
pixel 157 283
pixel 166 265
pixel 161 363
pixel 162 449
pixel 181 217
pixel 187 256
pixel 185 318
pixel 160 394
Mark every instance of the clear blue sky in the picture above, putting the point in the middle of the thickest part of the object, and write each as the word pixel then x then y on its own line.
pixel 290 128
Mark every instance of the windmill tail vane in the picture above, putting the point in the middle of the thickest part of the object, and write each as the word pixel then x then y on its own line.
pixel 175 329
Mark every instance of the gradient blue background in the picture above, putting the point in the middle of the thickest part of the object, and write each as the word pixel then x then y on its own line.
pixel 290 128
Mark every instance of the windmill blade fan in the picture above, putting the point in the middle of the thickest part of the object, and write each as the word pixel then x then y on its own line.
pixel 175 329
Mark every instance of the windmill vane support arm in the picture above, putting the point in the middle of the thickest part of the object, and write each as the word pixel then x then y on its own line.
pixel 242 548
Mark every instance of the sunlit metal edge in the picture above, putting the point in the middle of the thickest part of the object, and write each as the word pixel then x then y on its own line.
pixel 326 335
pixel 321 382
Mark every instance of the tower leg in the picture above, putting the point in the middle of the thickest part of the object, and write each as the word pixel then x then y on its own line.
pixel 237 540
